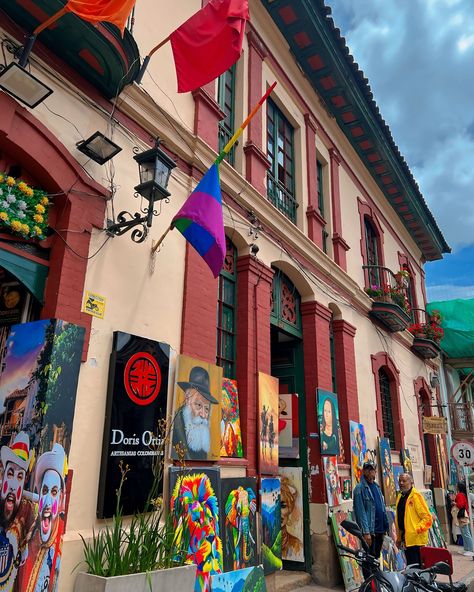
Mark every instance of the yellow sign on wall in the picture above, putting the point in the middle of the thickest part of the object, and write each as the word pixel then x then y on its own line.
pixel 94 304
pixel 435 425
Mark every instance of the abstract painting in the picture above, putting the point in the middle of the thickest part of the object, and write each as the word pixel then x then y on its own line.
pixel 194 507
pixel 239 522
pixel 250 579
pixel 288 429
pixel 388 478
pixel 268 423
pixel 231 436
pixel 292 530
pixel 358 450
pixel 351 571
pixel 406 461
pixel 333 484
pixel 37 401
pixel 328 421
pixel 196 410
pixel 270 506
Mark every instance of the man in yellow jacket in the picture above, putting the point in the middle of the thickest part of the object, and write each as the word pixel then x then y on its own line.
pixel 413 520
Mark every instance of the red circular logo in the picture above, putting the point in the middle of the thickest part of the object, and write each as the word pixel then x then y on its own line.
pixel 142 378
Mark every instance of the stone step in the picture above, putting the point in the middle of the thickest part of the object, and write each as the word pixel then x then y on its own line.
pixel 286 580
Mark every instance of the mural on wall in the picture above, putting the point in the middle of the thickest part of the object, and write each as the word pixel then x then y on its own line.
pixel 388 478
pixel 239 522
pixel 393 557
pixel 270 508
pixel 292 528
pixel 351 571
pixel 137 397
pixel 328 420
pixel 397 471
pixel 37 399
pixel 250 579
pixel 288 428
pixel 194 507
pixel 333 483
pixel 197 410
pixel 268 423
pixel 231 435
pixel 406 461
pixel 358 450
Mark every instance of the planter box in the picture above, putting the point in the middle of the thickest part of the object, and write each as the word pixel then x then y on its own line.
pixel 425 348
pixel 390 315
pixel 164 580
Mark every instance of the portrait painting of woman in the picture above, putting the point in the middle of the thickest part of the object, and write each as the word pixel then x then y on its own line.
pixel 328 419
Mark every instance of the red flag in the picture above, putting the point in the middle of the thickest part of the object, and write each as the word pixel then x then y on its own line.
pixel 209 42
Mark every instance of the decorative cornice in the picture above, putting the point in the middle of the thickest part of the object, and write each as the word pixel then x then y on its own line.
pixel 202 96
pixel 253 265
pixel 310 122
pixel 315 308
pixel 312 212
pixel 338 240
pixel 341 326
pixel 252 149
pixel 256 42
pixel 335 156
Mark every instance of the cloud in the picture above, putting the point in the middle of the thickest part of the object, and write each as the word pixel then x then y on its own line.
pixel 419 57
pixel 448 292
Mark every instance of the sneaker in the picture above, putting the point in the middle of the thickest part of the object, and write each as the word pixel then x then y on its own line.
pixel 468 554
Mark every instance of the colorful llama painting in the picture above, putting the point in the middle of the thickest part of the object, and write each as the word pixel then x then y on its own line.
pixel 270 505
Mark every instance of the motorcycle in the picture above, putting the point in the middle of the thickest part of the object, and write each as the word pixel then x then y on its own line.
pixel 412 579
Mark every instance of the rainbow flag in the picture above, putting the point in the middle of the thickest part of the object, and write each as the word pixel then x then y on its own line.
pixel 201 223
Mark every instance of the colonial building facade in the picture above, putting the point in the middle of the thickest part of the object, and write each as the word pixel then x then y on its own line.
pixel 319 206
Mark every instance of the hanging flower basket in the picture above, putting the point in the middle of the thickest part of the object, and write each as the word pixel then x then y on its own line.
pixel 23 210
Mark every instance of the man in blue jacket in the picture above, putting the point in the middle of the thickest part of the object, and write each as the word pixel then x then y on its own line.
pixel 369 510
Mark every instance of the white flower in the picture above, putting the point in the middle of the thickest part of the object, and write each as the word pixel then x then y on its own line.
pixel 21 205
pixel 11 198
pixel 21 215
pixel 1 191
pixel 4 205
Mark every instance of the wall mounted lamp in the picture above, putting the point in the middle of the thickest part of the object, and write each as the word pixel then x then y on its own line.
pixel 22 85
pixel 99 148
pixel 155 167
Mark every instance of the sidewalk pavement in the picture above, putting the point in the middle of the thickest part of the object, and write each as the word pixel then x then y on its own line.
pixel 463 568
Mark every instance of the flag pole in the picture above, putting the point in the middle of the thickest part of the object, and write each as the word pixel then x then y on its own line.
pixel 32 38
pixel 144 66
pixel 225 150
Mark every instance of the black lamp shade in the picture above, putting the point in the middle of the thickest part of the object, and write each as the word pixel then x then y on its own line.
pixel 155 167
pixel 22 85
pixel 99 148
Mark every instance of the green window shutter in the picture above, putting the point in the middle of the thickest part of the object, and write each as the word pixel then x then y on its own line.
pixel 226 312
pixel 226 100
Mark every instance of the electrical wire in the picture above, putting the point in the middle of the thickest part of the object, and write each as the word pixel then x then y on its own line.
pixel 78 254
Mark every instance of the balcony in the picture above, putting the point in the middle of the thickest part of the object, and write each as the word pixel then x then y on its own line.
pixel 281 198
pixel 462 420
pixel 426 334
pixel 98 53
pixel 388 291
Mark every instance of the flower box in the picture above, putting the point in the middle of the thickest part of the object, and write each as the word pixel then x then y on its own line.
pixel 164 580
pixel 392 316
pixel 425 348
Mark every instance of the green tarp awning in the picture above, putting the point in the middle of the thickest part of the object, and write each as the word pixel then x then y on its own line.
pixel 457 321
pixel 32 274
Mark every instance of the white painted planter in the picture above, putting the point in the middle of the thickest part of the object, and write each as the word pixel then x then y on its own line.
pixel 164 580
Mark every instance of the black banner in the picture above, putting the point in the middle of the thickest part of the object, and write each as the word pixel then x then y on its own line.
pixel 136 401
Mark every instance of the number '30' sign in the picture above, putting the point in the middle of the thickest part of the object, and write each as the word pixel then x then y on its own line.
pixel 463 453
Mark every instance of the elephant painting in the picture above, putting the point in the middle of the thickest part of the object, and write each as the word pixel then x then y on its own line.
pixel 239 503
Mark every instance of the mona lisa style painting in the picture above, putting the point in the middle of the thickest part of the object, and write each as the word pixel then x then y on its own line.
pixel 328 420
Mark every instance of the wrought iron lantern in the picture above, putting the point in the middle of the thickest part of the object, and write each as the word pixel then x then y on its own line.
pixel 155 167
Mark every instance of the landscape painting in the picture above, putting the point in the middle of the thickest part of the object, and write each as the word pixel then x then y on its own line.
pixel 271 524
pixel 268 423
pixel 250 579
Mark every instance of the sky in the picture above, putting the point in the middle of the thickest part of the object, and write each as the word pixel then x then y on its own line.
pixel 419 58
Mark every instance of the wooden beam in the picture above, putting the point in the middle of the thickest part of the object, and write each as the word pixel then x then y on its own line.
pixel 460 362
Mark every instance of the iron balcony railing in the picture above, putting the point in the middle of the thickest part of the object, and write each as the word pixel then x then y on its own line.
pixel 281 198
pixel 462 417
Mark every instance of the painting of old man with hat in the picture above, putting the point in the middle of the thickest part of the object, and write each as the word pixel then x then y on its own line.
pixel 197 410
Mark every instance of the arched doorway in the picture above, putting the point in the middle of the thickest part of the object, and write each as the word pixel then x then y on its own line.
pixel 288 366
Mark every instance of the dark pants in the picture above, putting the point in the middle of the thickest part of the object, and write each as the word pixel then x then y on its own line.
pixel 412 555
pixel 374 550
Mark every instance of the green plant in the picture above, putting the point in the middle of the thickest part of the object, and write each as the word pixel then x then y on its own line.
pixel 23 210
pixel 147 543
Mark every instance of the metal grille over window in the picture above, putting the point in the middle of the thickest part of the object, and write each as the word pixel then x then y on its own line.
pixel 226 311
pixel 226 100
pixel 387 412
pixel 280 152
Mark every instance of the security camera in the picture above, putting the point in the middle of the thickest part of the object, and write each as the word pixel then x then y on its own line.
pixel 254 249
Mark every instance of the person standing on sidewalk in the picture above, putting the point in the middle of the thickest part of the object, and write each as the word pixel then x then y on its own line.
pixel 369 510
pixel 462 504
pixel 412 519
